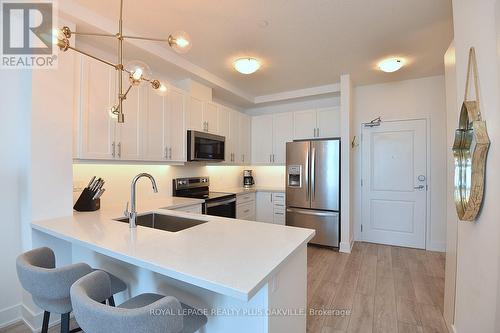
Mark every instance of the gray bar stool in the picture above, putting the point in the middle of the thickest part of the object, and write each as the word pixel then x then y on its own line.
pixel 50 286
pixel 146 313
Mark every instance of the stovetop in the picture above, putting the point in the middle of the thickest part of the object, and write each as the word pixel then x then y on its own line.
pixel 198 188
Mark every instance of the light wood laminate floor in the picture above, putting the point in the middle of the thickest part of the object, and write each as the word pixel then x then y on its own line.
pixel 381 289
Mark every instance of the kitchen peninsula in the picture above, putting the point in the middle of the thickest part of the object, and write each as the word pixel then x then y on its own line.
pixel 237 271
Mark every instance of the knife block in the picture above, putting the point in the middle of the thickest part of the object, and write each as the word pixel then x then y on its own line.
pixel 85 202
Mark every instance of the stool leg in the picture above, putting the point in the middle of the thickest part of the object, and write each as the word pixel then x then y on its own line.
pixel 65 323
pixel 45 325
pixel 111 301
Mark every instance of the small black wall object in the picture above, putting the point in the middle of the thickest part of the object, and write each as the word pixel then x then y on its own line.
pixel 85 203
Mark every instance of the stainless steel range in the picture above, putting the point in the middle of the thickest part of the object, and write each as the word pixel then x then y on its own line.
pixel 216 203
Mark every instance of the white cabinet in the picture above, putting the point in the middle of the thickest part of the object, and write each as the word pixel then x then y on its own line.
pixel 245 206
pixel 176 135
pixel 193 209
pixel 202 116
pixel 318 123
pixel 98 135
pixel 328 122
pixel 210 118
pixel 304 124
pixel 245 141
pixel 195 114
pixel 164 130
pixel 271 207
pixel 270 133
pixel 262 139
pixel 264 206
pixel 95 129
pixel 223 124
pixel 282 133
pixel 233 140
pixel 154 136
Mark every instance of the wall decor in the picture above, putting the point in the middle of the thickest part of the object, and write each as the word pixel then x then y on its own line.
pixel 470 150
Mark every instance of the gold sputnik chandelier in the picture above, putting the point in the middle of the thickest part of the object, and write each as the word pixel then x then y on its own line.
pixel 137 71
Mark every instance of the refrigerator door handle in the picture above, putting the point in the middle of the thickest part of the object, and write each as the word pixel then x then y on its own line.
pixel 313 173
pixel 310 212
pixel 307 171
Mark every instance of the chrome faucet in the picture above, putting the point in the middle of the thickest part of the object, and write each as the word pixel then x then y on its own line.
pixel 132 215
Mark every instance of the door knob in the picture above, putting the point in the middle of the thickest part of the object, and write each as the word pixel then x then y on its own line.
pixel 419 187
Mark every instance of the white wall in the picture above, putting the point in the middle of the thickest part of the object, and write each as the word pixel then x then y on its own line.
pixel 477 307
pixel 412 99
pixel 14 146
pixel 119 176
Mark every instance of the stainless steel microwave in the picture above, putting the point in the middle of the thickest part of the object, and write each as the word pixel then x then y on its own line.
pixel 203 146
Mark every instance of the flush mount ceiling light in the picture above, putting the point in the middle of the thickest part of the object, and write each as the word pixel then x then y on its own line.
pixel 138 72
pixel 247 65
pixel 391 65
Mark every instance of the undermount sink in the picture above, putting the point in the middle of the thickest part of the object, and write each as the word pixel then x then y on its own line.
pixel 164 222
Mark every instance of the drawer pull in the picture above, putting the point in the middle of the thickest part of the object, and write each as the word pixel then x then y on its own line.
pixel 279 214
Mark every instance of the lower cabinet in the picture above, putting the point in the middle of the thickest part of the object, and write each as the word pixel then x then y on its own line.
pixel 194 209
pixel 271 207
pixel 245 206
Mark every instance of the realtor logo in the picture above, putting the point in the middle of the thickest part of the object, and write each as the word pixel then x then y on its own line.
pixel 27 36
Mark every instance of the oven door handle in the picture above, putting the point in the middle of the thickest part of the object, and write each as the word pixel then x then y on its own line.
pixel 220 203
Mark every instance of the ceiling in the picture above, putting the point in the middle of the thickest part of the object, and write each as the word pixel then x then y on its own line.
pixel 302 43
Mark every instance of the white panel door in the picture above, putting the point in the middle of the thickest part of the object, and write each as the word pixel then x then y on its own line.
pixel 96 132
pixel 176 128
pixel 328 122
pixel 195 114
pixel 304 124
pixel 282 133
pixel 223 127
pixel 394 193
pixel 232 145
pixel 155 128
pixel 129 145
pixel 264 207
pixel 262 139
pixel 210 118
pixel 245 139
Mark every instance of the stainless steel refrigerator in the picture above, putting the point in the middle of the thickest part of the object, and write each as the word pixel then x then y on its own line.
pixel 313 188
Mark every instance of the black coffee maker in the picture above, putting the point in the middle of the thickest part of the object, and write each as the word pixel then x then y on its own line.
pixel 248 178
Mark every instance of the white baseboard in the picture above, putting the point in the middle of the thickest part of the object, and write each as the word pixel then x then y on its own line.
pixel 10 315
pixel 346 247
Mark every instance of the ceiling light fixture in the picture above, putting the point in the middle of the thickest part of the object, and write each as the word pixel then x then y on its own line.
pixel 391 65
pixel 138 72
pixel 247 65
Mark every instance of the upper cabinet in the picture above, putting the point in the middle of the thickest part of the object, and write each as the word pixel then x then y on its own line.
pixel 95 129
pixel 210 118
pixel 164 130
pixel 154 127
pixel 317 124
pixel 233 139
pixel 270 133
pixel 245 141
pixel 195 114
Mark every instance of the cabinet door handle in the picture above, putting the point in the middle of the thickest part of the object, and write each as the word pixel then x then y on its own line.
pixel 270 158
pixel 318 132
pixel 113 149
pixel 170 153
pixel 166 153
pixel 243 158
pixel 273 158
pixel 119 149
pixel 207 126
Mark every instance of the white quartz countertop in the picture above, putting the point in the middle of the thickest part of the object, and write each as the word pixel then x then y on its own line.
pixel 242 190
pixel 227 256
